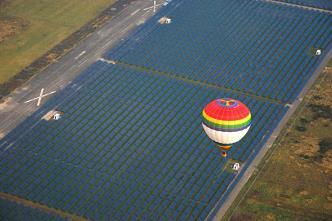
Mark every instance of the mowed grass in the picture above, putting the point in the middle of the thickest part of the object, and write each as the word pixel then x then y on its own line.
pixel 46 24
pixel 296 181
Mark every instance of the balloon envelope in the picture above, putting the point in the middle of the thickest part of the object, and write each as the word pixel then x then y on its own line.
pixel 226 121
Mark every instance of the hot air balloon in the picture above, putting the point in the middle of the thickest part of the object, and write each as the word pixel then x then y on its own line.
pixel 226 121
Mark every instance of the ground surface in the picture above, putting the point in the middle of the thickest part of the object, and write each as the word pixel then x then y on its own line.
pixel 29 28
pixel 296 182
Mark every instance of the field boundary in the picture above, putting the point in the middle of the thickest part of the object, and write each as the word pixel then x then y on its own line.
pixel 192 81
pixel 40 207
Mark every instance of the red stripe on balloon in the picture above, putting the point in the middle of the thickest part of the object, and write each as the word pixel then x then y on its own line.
pixel 238 112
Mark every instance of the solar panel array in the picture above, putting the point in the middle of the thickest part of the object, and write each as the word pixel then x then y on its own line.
pixel 250 46
pixel 130 144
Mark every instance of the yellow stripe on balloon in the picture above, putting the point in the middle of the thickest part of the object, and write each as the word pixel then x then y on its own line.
pixel 226 122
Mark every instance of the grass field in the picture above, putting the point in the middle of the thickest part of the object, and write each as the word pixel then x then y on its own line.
pixel 296 182
pixel 29 28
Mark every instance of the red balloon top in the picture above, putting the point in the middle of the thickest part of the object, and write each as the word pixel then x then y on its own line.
pixel 227 109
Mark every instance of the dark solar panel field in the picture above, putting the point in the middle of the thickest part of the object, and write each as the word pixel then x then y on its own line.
pixel 250 46
pixel 130 144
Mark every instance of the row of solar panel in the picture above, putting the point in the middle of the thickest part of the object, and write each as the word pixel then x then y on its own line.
pixel 211 17
pixel 65 184
pixel 166 167
pixel 77 142
pixel 178 158
pixel 241 55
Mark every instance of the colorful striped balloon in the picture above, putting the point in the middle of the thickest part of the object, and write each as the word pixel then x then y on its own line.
pixel 226 121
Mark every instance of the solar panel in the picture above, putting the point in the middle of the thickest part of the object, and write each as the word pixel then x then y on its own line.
pixel 253 47
pixel 83 171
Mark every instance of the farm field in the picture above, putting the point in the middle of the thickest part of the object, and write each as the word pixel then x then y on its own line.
pixel 29 28
pixel 130 145
pixel 301 187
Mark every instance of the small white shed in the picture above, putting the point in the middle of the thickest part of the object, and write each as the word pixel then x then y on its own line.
pixel 56 116
pixel 236 166
pixel 165 20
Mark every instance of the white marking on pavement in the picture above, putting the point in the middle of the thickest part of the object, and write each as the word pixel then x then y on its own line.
pixel 135 12
pixel 82 53
pixel 122 32
pixel 39 98
pixel 148 8
pixel 147 11
pixel 83 62
pixel 106 45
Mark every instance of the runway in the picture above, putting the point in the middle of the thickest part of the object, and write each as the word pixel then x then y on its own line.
pixel 58 75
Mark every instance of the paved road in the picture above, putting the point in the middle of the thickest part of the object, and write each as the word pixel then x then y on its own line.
pixel 60 74
pixel 299 6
